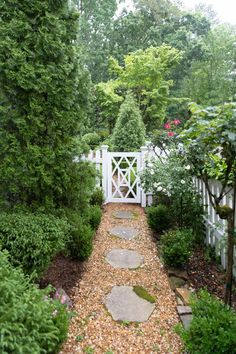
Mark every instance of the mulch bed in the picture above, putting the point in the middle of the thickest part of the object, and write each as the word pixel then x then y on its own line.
pixel 64 273
pixel 207 274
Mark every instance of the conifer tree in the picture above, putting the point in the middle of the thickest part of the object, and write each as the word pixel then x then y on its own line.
pixel 44 92
pixel 129 131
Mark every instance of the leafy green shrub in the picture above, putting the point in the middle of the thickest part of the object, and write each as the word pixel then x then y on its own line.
pixel 176 247
pixel 29 321
pixel 212 329
pixel 80 243
pixel 93 216
pixel 159 218
pixel 92 140
pixel 32 240
pixel 97 198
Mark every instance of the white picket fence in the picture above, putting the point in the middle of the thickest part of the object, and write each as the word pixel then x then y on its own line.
pixel 215 227
pixel 216 235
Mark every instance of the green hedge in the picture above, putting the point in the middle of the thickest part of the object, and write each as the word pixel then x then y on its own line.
pixel 213 328
pixel 30 322
pixel 32 240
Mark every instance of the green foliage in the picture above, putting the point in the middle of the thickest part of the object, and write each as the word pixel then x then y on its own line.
pixel 202 147
pixel 176 247
pixel 97 198
pixel 92 140
pixel 44 99
pixel 32 240
pixel 80 243
pixel 145 74
pixel 30 321
pixel 106 104
pixel 95 27
pixel 159 218
pixel 212 329
pixel 93 216
pixel 129 131
pixel 211 79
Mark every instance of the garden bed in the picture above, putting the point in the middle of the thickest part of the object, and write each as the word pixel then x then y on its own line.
pixel 205 273
pixel 64 273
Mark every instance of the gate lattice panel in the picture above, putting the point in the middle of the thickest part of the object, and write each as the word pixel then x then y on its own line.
pixel 123 181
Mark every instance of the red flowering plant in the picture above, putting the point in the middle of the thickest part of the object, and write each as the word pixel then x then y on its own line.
pixel 164 140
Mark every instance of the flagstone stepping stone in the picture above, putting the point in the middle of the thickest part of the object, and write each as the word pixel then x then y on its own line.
pixel 184 295
pixel 186 320
pixel 121 258
pixel 125 305
pixel 123 214
pixel 127 233
pixel 176 282
pixel 184 310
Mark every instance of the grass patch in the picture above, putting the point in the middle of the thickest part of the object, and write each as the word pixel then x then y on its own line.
pixel 141 292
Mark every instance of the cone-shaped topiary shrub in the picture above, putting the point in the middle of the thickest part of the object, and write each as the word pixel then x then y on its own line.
pixel 129 131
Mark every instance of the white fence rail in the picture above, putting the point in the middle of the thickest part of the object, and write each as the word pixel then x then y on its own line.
pixel 216 235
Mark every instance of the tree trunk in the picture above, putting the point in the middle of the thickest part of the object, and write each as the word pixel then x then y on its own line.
pixel 230 260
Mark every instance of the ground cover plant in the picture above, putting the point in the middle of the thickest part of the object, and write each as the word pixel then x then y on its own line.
pixel 30 321
pixel 32 240
pixel 213 327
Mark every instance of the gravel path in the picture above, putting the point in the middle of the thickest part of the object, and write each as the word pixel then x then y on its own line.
pixel 93 330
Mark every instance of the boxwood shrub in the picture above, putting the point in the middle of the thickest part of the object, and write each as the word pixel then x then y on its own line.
pixel 30 322
pixel 159 218
pixel 213 328
pixel 32 240
pixel 176 247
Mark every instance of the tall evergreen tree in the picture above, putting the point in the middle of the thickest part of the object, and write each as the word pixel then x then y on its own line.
pixel 44 89
pixel 129 131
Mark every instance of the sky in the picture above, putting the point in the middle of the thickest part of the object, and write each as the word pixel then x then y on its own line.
pixel 225 9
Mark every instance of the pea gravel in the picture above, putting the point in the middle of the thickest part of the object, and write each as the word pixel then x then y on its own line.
pixel 92 329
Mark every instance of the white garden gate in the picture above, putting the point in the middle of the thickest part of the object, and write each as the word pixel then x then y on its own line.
pixel 120 175
pixel 122 179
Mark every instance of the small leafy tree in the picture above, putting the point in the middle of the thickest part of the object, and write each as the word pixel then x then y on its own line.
pixel 209 133
pixel 129 131
pixel 146 74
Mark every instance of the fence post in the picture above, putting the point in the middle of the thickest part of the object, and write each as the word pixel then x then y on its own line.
pixel 144 150
pixel 104 149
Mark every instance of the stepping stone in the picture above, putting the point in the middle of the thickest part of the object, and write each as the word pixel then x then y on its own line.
pixel 186 320
pixel 124 305
pixel 127 233
pixel 184 310
pixel 176 282
pixel 123 214
pixel 121 258
pixel 184 295
pixel 172 272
